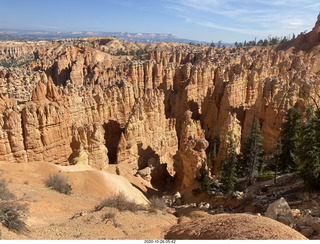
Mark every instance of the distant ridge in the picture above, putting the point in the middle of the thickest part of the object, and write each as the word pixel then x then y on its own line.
pixel 36 35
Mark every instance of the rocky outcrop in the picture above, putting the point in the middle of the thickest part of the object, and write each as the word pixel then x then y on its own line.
pixel 191 155
pixel 47 132
pixel 281 211
pixel 19 84
pixel 74 100
pixel 39 93
pixel 149 139
pixel 302 221
pixel 52 94
pixel 230 131
pixel 88 146
pixel 12 140
pixel 310 39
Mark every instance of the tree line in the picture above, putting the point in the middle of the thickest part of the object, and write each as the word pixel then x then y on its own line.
pixel 270 41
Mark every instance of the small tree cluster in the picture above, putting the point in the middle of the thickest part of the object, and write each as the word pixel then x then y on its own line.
pixel 300 145
pixel 288 140
pixel 228 175
pixel 246 165
pixel 212 151
pixel 251 154
pixel 205 182
pixel 218 44
pixel 308 149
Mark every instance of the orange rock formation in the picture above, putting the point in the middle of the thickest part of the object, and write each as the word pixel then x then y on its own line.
pixel 76 100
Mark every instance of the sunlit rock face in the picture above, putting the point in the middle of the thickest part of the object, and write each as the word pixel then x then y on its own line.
pixel 77 101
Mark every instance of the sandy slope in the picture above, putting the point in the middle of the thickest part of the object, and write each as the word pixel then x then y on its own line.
pixel 50 211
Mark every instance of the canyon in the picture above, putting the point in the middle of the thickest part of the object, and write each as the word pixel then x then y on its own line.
pixel 76 101
pixel 153 109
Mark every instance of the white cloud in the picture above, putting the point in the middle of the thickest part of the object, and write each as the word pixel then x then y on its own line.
pixel 260 17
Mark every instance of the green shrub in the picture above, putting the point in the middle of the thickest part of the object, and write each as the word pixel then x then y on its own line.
pixel 119 202
pixel 267 175
pixel 58 183
pixel 206 185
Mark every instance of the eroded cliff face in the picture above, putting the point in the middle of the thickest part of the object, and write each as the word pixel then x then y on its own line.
pixel 192 158
pixel 83 100
pixel 150 139
pixel 88 146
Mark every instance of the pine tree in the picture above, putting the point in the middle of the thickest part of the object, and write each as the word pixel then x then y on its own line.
pixel 276 158
pixel 308 150
pixel 289 136
pixel 228 168
pixel 252 152
pixel 212 151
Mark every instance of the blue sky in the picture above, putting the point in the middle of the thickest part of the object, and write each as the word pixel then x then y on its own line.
pixel 205 20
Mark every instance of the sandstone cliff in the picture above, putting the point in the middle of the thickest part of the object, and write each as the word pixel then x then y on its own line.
pixel 94 100
pixel 192 155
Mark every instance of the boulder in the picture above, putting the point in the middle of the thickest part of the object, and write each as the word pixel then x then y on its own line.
pixel 306 231
pixel 285 220
pixel 314 223
pixel 296 213
pixel 145 173
pixel 280 210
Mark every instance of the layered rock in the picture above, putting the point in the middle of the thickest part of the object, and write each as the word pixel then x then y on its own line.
pixel 88 146
pixel 231 131
pixel 310 39
pixel 12 139
pixel 149 139
pixel 191 155
pixel 77 101
pixel 47 132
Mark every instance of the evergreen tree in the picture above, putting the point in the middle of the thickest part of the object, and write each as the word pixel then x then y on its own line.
pixel 212 151
pixel 276 158
pixel 228 168
pixel 308 149
pixel 252 152
pixel 265 43
pixel 289 136
pixel 212 44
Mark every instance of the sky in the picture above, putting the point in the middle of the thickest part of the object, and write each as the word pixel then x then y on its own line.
pixel 203 20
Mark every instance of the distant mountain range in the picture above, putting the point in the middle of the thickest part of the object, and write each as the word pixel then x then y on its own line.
pixel 30 35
